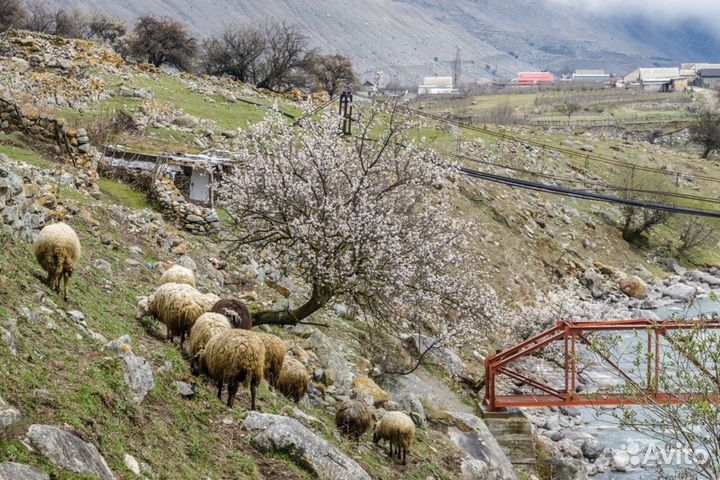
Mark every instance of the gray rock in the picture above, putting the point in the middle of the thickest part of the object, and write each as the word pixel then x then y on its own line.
pixel 441 356
pixel 184 389
pixel 679 291
pixel 592 449
pixel 333 357
pixel 18 471
pixel 187 121
pixel 568 469
pixel 484 459
pixel 135 250
pixel 9 416
pixel 649 314
pixel 187 262
pixel 137 373
pixel 276 433
pixel 195 219
pixel 76 315
pixel 65 450
pixel 103 265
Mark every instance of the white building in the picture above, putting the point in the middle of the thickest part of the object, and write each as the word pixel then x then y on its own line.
pixel 437 86
pixel 590 76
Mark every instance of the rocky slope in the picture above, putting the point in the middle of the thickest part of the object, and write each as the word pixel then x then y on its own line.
pixel 413 38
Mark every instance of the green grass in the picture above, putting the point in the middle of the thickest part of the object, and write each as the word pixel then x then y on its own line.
pixel 23 155
pixel 119 193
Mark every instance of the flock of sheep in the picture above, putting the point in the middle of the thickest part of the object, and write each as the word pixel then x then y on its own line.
pixel 220 343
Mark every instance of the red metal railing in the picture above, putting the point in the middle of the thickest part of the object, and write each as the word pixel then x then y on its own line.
pixel 572 333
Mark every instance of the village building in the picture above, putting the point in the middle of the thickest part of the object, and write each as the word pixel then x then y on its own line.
pixel 656 79
pixel 590 76
pixel 708 75
pixel 437 86
pixel 535 78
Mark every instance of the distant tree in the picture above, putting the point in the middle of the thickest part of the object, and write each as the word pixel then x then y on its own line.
pixel 162 41
pixel 235 52
pixel 285 46
pixel 637 220
pixel 61 22
pixel 12 14
pixel 331 73
pixel 569 107
pixel 104 28
pixel 705 130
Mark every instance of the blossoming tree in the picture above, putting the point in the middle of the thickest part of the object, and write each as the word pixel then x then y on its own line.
pixel 362 220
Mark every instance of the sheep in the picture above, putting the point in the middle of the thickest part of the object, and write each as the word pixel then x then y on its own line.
pixel 234 357
pixel 274 356
pixel 399 430
pixel 235 311
pixel 178 274
pixel 293 379
pixel 206 326
pixel 353 418
pixel 57 250
pixel 178 306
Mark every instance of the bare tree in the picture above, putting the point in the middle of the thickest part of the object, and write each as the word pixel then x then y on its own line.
pixel 705 130
pixel 285 46
pixel 235 52
pixel 695 233
pixel 64 23
pixel 39 18
pixel 162 41
pixel 646 188
pixel 331 73
pixel 105 28
pixel 12 14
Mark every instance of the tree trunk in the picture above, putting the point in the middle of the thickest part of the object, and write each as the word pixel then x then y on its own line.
pixel 319 298
pixel 706 153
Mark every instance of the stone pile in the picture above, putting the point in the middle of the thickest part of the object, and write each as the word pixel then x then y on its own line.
pixel 194 218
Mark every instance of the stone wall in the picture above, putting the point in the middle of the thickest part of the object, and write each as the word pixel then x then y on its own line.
pixel 36 123
pixel 194 218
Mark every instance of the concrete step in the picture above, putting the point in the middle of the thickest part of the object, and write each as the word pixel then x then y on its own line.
pixel 514 435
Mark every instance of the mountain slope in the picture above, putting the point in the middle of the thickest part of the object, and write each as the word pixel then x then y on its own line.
pixel 409 39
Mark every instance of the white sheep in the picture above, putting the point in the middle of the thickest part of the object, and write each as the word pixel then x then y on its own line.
pixel 235 357
pixel 206 326
pixel 178 274
pixel 57 250
pixel 399 430
pixel 178 306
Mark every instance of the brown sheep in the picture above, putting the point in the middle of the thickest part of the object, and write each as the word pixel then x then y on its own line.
pixel 274 356
pixel 235 357
pixel 353 418
pixel 399 430
pixel 293 379
pixel 236 311
pixel 57 250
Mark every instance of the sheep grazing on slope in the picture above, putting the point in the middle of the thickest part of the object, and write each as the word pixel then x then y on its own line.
pixel 353 418
pixel 399 430
pixel 235 357
pixel 206 326
pixel 178 274
pixel 293 379
pixel 57 250
pixel 274 356
pixel 236 311
pixel 178 306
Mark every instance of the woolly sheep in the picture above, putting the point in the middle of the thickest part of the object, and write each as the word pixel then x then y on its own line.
pixel 399 430
pixel 234 357
pixel 206 326
pixel 235 311
pixel 178 306
pixel 57 250
pixel 178 274
pixel 293 379
pixel 353 418
pixel 274 356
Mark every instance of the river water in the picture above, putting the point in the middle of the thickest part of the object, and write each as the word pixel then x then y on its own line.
pixel 605 427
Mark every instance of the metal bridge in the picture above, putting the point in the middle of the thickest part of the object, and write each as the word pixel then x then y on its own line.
pixel 574 333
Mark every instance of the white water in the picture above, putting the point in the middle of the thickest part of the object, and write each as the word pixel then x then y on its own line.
pixel 605 427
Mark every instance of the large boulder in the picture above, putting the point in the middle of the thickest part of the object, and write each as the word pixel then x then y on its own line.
pixel 65 450
pixel 679 291
pixel 137 373
pixel 9 416
pixel 484 459
pixel 441 356
pixel 633 287
pixel 275 433
pixel 18 471
pixel 365 387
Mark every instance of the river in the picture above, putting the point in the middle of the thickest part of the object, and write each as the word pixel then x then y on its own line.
pixel 605 427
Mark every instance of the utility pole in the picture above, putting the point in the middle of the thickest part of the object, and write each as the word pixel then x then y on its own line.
pixel 346 99
pixel 457 68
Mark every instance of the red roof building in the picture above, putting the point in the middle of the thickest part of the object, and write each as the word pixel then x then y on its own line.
pixel 535 78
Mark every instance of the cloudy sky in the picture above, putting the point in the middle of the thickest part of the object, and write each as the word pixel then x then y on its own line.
pixel 659 10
